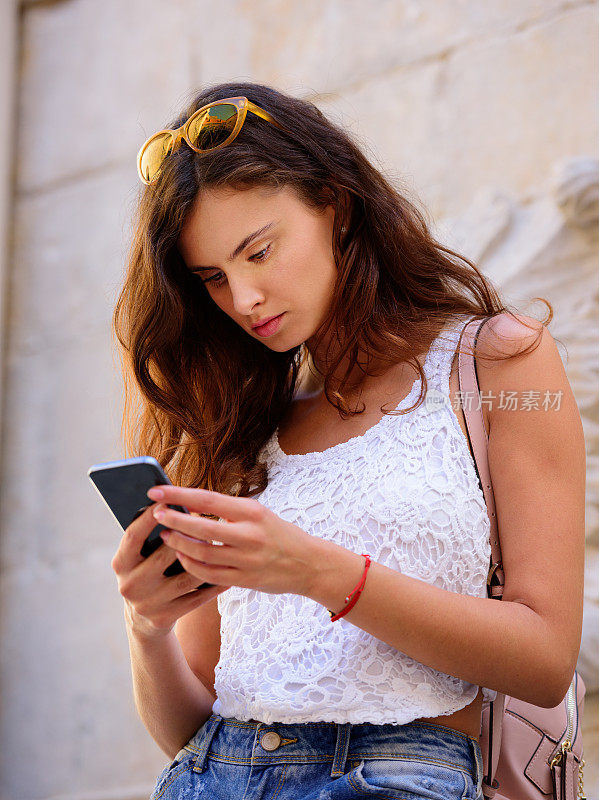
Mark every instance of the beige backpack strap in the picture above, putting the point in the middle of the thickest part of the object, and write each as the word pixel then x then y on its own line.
pixel 472 407
pixel 477 434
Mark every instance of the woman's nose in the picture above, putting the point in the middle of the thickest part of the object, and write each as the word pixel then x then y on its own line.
pixel 246 296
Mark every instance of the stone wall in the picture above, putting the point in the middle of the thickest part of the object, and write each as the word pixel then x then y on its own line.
pixel 449 99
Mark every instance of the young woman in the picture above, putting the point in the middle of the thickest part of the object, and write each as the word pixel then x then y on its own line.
pixel 289 329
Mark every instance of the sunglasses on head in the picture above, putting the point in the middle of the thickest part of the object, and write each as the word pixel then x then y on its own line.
pixel 210 127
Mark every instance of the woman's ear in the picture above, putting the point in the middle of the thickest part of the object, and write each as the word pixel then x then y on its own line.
pixel 339 200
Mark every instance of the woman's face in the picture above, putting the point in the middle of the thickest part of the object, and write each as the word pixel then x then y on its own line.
pixel 287 268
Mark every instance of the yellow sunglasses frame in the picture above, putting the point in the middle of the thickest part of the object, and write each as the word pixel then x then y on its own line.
pixel 242 104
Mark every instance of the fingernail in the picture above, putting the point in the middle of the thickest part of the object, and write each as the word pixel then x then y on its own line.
pixel 155 494
pixel 164 535
pixel 158 513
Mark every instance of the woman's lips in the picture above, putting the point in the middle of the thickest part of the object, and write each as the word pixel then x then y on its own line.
pixel 270 327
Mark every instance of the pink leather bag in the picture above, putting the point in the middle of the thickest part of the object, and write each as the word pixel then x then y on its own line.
pixel 529 752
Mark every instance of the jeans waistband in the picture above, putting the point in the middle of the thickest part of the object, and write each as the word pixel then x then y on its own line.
pixel 243 742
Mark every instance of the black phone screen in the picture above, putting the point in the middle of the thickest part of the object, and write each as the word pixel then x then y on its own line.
pixel 123 486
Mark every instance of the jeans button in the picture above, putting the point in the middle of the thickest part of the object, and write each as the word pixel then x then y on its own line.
pixel 270 741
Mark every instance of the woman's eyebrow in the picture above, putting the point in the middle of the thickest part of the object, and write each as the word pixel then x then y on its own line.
pixel 242 245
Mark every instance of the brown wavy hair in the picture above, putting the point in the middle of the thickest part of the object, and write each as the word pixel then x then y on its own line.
pixel 201 395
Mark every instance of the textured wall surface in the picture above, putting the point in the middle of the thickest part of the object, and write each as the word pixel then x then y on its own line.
pixel 469 105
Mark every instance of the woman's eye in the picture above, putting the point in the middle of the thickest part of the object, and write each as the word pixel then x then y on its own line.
pixel 262 253
pixel 213 280
pixel 261 256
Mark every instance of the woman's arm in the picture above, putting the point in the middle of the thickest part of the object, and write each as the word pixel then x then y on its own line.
pixel 527 644
pixel 171 701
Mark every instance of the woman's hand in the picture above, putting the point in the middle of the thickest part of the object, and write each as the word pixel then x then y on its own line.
pixel 153 601
pixel 259 549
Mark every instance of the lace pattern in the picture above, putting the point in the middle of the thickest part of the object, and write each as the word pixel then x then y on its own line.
pixel 406 492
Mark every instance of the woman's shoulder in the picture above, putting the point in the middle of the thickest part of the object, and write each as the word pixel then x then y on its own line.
pixel 518 355
pixel 509 335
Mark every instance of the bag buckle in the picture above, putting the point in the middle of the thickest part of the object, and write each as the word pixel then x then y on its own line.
pixel 492 572
pixel 564 747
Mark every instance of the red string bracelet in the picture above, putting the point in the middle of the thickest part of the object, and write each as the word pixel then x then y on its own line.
pixel 354 595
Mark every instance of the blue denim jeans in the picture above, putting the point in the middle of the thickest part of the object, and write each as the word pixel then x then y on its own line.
pixel 227 759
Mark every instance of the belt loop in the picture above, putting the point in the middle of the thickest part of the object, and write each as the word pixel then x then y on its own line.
pixel 478 759
pixel 341 748
pixel 210 729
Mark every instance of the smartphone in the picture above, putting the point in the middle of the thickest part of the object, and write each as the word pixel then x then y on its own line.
pixel 123 486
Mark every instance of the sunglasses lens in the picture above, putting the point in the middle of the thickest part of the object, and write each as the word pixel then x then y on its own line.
pixel 154 154
pixel 213 126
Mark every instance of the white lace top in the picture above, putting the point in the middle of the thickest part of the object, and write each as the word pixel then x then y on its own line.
pixel 407 493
